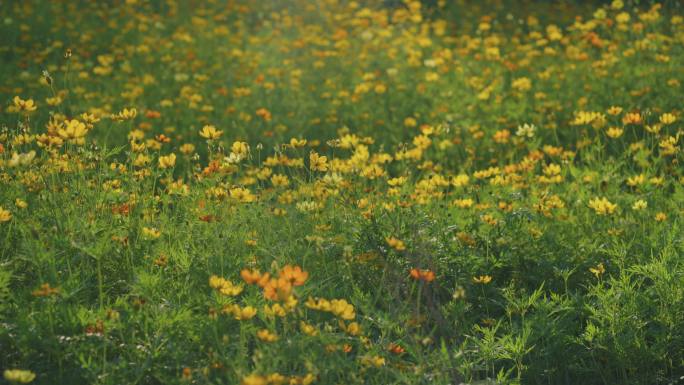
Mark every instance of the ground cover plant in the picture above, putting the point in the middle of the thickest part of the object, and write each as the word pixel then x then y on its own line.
pixel 341 192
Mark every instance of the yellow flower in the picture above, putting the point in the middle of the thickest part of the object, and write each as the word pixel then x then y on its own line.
pixel 623 17
pixel 353 329
pixel 167 161
pixel 339 307
pixel 410 122
pixel 431 77
pixel 243 314
pixel 210 132
pixel 395 243
pixel 19 376
pixel 254 379
pixel 484 279
pixel 372 172
pixel 307 329
pixel 526 130
pixel 667 118
pixel 639 205
pixel 125 114
pixel 294 142
pixel 187 148
pixel 74 131
pixel 661 217
pixel 276 310
pixel 657 180
pixel 636 180
pixel 521 84
pixel 89 119
pixel 240 149
pixel 342 309
pixel 463 203
pixel 653 128
pixel 224 286
pixel 602 206
pixel 141 160
pixel 150 233
pixel 588 117
pixel 267 336
pixel 53 101
pixel 20 203
pixel 276 379
pixel 317 162
pixel 397 181
pixel 375 361
pixel 615 132
pixel 460 180
pixel 242 195
pixel 280 180
pixel 668 146
pixel 23 159
pixel 5 215
pixel 614 110
pixel 24 105
pixel 552 169
pixel 598 270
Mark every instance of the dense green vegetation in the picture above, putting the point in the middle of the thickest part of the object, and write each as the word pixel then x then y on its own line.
pixel 334 192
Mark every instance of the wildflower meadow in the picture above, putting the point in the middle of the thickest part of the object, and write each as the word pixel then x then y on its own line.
pixel 341 192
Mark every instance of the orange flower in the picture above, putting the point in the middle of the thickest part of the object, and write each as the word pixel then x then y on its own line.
pixel 45 291
pixel 207 218
pixel 250 276
pixel 152 114
pixel 255 277
pixel 295 275
pixel 265 279
pixel 264 114
pixel 631 118
pixel 423 275
pixel 278 289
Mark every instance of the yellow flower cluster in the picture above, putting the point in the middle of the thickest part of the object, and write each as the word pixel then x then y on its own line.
pixel 224 286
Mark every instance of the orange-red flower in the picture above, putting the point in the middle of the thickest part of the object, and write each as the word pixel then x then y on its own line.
pixel 395 348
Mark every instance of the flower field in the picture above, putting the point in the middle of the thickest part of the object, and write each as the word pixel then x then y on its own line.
pixel 341 192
